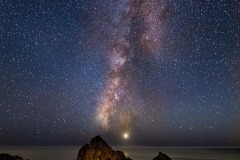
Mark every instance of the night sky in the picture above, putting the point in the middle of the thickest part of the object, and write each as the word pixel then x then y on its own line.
pixel 137 72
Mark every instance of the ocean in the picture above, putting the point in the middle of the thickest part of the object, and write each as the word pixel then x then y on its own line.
pixel 136 153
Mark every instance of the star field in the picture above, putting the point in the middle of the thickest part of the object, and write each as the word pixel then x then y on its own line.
pixel 165 70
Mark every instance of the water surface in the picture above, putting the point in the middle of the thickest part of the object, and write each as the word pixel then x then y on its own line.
pixel 136 153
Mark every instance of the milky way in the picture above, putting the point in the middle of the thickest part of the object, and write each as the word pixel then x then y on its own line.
pixel 154 72
pixel 138 36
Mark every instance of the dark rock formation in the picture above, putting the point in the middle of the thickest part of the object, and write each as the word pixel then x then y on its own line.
pixel 162 156
pixel 4 156
pixel 98 149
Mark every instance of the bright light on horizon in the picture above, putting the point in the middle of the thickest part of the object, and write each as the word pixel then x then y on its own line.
pixel 125 135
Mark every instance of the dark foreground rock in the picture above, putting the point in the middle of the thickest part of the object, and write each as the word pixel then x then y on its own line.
pixel 162 156
pixel 4 156
pixel 98 149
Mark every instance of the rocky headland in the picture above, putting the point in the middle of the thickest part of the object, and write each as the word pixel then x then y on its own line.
pixel 4 156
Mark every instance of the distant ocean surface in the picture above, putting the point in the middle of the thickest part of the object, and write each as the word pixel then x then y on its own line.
pixel 136 153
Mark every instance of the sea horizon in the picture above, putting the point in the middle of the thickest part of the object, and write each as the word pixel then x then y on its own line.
pixel 139 146
pixel 133 152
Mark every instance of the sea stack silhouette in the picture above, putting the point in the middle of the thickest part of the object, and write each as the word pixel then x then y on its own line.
pixel 98 149
pixel 162 156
